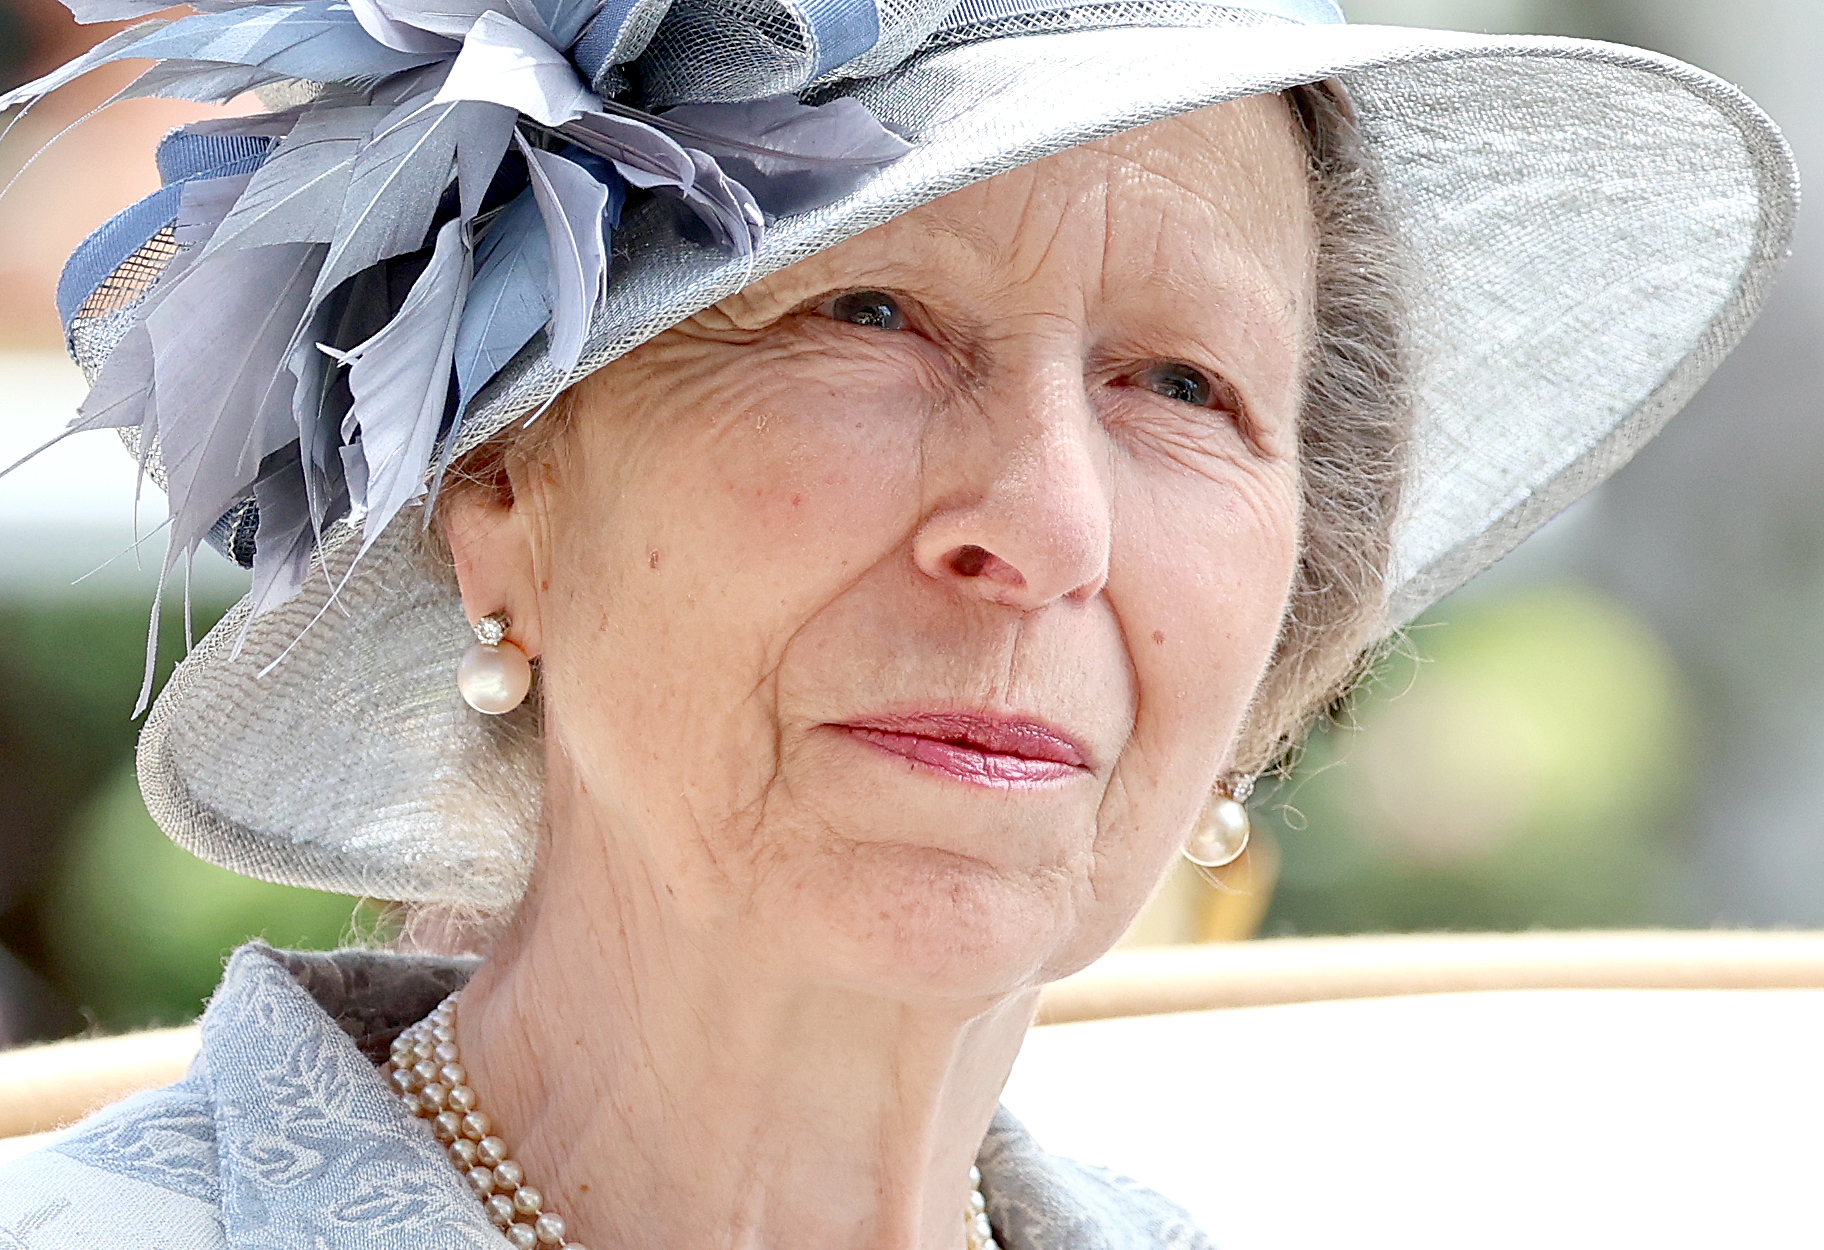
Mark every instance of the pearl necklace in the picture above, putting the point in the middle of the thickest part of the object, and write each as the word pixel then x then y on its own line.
pixel 426 1070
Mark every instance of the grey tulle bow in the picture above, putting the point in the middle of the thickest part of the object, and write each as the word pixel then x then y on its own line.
pixel 298 321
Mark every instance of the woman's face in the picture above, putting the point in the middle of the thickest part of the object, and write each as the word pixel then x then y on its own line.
pixel 898 613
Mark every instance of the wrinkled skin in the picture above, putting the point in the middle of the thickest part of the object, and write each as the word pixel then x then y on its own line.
pixel 1029 450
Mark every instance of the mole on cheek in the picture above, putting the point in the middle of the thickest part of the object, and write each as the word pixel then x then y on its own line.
pixel 652 561
pixel 1158 634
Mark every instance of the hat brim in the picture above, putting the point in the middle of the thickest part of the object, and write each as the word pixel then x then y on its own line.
pixel 1591 228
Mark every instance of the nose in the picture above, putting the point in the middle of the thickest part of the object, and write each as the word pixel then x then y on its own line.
pixel 1023 513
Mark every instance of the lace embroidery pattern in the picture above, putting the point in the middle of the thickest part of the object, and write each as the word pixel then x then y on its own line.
pixel 165 1137
pixel 314 1150
pixel 18 1237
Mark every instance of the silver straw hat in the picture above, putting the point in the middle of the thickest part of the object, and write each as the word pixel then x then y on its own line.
pixel 1591 228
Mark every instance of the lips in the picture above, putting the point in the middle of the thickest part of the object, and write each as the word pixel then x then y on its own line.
pixel 981 749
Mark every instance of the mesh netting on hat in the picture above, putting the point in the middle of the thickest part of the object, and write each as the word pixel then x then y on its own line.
pixel 718 50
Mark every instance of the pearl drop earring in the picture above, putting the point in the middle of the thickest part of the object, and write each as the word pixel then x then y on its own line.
pixel 1222 831
pixel 495 674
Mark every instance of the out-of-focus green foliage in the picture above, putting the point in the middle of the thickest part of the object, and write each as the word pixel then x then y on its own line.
pixel 129 928
pixel 71 666
pixel 1518 766
pixel 139 927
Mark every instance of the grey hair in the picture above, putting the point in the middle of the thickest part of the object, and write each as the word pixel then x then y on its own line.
pixel 1353 440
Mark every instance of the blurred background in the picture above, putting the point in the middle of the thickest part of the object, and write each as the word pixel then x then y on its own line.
pixel 1619 726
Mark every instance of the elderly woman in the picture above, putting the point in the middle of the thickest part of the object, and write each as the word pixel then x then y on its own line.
pixel 1000 429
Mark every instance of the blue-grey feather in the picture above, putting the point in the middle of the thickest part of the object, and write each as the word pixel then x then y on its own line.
pixel 725 206
pixel 394 188
pixel 319 41
pixel 483 133
pixel 654 161
pixel 793 157
pixel 400 379
pixel 509 301
pixel 571 202
pixel 207 82
pixel 646 156
pixel 220 339
pixel 204 204
pixel 297 195
pixel 286 537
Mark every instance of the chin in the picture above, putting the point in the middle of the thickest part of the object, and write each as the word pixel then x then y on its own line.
pixel 900 880
pixel 926 923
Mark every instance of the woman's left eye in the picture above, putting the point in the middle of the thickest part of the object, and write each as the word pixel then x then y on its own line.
pixel 1179 382
pixel 875 309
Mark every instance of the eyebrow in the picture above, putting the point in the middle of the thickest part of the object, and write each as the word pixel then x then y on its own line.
pixel 989 247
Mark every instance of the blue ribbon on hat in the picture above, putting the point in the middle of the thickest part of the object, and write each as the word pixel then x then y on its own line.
pixel 842 30
pixel 182 158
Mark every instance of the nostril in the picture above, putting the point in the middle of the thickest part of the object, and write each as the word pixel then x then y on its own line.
pixel 970 561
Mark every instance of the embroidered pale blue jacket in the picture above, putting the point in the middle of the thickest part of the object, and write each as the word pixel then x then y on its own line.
pixel 284 1137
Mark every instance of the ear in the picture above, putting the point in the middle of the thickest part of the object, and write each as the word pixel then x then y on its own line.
pixel 493 539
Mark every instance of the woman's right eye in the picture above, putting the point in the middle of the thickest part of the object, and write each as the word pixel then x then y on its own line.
pixel 875 309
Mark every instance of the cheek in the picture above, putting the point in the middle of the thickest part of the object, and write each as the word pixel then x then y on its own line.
pixel 699 534
pixel 1199 574
pixel 805 477
pixel 775 501
pixel 1204 573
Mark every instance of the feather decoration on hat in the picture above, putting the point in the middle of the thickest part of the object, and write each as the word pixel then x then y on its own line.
pixel 298 322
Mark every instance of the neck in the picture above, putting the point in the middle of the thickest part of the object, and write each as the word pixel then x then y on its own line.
pixel 669 1084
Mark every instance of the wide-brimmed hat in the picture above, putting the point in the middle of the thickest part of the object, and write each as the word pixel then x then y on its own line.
pixel 1589 229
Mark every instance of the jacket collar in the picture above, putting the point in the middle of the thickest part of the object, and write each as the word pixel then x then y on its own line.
pixel 314 1150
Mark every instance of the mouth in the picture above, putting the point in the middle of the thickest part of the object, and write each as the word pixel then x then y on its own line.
pixel 1003 752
